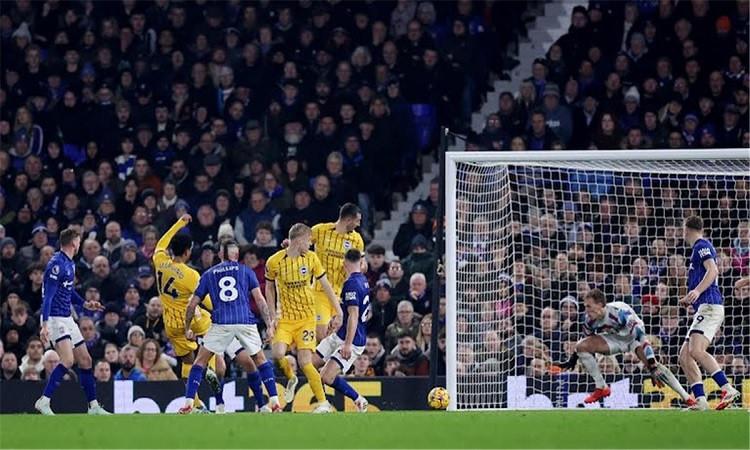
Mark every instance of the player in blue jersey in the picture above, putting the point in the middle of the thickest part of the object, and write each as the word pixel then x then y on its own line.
pixel 229 284
pixel 59 327
pixel 705 298
pixel 338 351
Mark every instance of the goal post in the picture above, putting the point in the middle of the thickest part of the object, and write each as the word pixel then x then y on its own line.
pixel 528 233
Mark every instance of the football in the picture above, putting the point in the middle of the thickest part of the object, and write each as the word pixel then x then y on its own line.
pixel 438 398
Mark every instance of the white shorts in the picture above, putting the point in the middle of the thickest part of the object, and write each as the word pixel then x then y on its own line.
pixel 619 344
pixel 232 350
pixel 219 338
pixel 330 348
pixel 707 321
pixel 64 327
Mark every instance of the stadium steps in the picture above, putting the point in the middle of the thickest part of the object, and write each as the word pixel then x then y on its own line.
pixel 546 29
pixel 551 23
pixel 386 231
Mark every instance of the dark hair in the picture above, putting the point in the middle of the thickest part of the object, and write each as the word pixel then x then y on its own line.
pixel 180 244
pixel 353 255
pixel 694 223
pixel 264 225
pixel 68 235
pixel 224 247
pixel 597 296
pixel 248 250
pixel 349 210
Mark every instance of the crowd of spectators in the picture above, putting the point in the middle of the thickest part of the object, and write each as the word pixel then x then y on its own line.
pixel 634 75
pixel 118 117
pixel 627 75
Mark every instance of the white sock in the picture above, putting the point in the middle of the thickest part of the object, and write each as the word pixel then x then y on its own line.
pixel 93 404
pixel 189 402
pixel 274 399
pixel 592 367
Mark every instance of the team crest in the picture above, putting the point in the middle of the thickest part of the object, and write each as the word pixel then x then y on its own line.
pixel 303 270
pixel 55 270
pixel 347 244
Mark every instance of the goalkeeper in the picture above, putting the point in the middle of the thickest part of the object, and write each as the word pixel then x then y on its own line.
pixel 614 328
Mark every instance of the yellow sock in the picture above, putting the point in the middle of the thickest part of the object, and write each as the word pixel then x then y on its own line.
pixel 283 365
pixel 316 384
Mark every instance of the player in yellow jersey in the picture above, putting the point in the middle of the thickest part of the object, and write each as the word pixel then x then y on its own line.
pixel 291 272
pixel 331 242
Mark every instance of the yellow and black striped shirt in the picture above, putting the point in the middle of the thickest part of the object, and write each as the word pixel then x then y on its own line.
pixel 331 246
pixel 294 277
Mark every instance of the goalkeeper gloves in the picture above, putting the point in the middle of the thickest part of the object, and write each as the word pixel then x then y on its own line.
pixel 657 375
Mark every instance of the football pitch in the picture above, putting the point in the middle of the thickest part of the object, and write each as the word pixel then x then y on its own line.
pixel 508 429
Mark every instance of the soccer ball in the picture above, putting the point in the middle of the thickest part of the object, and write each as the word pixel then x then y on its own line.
pixel 438 398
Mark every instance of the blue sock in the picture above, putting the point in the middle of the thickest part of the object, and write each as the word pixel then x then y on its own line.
pixel 194 381
pixel 345 388
pixel 88 383
pixel 720 378
pixel 253 380
pixel 266 375
pixel 54 380
pixel 697 390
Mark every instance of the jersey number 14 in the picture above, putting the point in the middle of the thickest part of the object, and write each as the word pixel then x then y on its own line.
pixel 166 289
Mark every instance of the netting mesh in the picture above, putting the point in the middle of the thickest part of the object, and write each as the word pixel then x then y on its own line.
pixel 532 238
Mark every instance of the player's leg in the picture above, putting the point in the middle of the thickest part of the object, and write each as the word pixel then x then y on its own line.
pixel 214 343
pixel 215 378
pixel 661 372
pixel 87 380
pixel 265 369
pixel 323 315
pixel 282 339
pixel 64 347
pixel 586 348
pixel 304 339
pixel 693 374
pixel 184 349
pixel 194 379
pixel 304 359
pixel 332 371
pixel 707 321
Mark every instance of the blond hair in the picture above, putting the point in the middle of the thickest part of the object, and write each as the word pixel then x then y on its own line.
pixel 298 229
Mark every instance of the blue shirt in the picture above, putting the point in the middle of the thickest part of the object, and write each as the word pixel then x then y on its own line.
pixel 229 284
pixel 135 375
pixel 702 251
pixel 356 292
pixel 57 287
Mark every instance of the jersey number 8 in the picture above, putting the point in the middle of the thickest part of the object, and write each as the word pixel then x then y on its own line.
pixel 227 289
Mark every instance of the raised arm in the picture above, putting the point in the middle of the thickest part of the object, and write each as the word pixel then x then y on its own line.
pixel 163 243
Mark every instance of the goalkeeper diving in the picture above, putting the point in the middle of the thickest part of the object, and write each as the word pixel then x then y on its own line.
pixel 611 329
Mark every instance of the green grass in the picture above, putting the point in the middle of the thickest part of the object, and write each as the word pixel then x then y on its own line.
pixel 508 429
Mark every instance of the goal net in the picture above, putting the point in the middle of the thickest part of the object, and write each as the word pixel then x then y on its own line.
pixel 528 234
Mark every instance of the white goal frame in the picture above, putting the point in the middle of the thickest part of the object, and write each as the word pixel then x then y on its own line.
pixel 534 158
